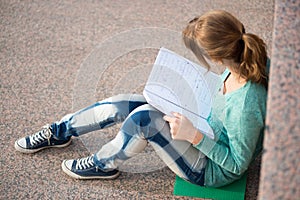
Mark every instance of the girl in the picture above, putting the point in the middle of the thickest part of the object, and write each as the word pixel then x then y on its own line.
pixel 237 117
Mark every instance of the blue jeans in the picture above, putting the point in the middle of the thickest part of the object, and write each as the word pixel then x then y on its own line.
pixel 142 124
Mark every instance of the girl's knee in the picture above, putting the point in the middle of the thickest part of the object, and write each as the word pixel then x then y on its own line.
pixel 144 115
pixel 144 120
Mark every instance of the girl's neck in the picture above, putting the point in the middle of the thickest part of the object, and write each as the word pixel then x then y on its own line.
pixel 237 77
pixel 233 82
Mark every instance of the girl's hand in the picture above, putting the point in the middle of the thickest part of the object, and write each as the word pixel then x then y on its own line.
pixel 181 128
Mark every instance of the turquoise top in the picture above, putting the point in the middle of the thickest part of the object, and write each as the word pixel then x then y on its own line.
pixel 237 119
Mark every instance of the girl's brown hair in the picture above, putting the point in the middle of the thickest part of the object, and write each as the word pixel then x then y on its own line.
pixel 219 35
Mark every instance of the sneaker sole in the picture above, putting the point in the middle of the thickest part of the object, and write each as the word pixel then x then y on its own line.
pixel 76 176
pixel 28 151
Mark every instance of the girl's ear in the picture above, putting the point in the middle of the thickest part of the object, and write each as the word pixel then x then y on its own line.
pixel 219 62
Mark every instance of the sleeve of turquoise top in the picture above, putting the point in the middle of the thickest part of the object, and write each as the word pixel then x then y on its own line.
pixel 243 129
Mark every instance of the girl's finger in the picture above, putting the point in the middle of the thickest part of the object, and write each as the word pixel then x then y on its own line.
pixel 169 119
pixel 173 134
pixel 176 114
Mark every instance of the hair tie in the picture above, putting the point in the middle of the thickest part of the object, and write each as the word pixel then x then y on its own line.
pixel 243 32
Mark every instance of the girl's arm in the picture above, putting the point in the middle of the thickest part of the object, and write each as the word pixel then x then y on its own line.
pixel 243 133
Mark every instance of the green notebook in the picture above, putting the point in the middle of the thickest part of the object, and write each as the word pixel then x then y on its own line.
pixel 235 190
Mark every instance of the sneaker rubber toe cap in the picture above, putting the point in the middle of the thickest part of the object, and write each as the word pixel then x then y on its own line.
pixel 68 164
pixel 20 144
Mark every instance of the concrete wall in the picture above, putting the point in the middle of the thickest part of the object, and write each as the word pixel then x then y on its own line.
pixel 281 160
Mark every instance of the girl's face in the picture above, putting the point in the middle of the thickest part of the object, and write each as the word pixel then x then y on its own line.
pixel 217 66
pixel 214 65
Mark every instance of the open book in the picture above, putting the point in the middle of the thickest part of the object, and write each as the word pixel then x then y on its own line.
pixel 178 85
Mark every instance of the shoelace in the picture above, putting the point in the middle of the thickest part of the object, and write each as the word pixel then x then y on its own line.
pixel 85 163
pixel 41 136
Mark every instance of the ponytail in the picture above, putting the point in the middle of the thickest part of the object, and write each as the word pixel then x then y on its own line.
pixel 254 59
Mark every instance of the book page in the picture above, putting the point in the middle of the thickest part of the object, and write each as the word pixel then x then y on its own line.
pixel 179 85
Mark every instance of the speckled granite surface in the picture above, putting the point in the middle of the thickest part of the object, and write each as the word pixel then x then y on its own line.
pixel 49 51
pixel 280 175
